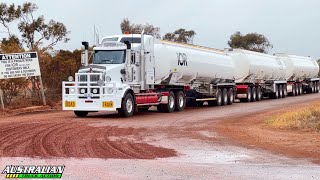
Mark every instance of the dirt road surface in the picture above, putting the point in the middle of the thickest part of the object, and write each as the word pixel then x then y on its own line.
pixel 150 145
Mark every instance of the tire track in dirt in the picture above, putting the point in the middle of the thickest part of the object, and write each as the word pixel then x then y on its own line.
pixel 50 139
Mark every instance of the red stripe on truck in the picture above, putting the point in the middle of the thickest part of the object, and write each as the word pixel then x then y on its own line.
pixel 147 99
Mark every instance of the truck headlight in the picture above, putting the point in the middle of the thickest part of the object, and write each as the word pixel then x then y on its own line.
pixel 72 91
pixel 110 90
pixel 108 78
pixel 95 91
pixel 82 91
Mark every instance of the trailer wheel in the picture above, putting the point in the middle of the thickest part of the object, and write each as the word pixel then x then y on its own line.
pixel 259 94
pixel 230 96
pixel 224 96
pixel 297 90
pixel 248 99
pixel 217 102
pixel 254 94
pixel 180 101
pixel 127 106
pixel 313 87
pixel 294 90
pixel 284 91
pixel 317 87
pixel 81 113
pixel 280 91
pixel 300 89
pixel 275 95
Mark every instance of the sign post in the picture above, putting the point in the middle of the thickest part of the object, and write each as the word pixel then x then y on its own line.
pixel 42 92
pixel 20 65
pixel 1 99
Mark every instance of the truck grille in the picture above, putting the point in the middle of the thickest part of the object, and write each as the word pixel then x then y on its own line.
pixel 84 78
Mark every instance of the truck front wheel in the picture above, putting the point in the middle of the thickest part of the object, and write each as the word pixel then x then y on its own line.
pixel 81 113
pixel 127 106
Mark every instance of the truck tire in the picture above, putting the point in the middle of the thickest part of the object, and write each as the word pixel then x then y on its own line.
pixel 217 102
pixel 300 89
pixel 230 96
pixel 169 108
pixel 248 95
pixel 297 90
pixel 280 91
pixel 180 101
pixel 275 95
pixel 224 96
pixel 259 94
pixel 284 91
pixel 81 113
pixel 317 87
pixel 127 106
pixel 313 87
pixel 294 90
pixel 254 94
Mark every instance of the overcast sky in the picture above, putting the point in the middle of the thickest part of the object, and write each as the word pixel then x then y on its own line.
pixel 292 26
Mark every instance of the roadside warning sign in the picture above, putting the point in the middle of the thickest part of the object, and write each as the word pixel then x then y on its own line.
pixel 18 65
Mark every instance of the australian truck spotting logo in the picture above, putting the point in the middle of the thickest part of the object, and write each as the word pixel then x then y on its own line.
pixel 33 172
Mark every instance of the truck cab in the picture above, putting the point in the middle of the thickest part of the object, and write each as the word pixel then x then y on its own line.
pixel 122 67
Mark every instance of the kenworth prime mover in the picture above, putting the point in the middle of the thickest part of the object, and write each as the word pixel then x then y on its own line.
pixel 133 72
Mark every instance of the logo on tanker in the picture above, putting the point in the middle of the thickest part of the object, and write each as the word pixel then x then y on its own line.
pixel 182 59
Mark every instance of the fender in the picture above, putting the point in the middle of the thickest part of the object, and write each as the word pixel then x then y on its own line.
pixel 126 89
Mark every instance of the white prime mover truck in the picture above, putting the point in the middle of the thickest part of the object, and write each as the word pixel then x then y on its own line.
pixel 133 72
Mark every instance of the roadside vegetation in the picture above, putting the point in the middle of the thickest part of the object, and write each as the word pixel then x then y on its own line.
pixel 304 118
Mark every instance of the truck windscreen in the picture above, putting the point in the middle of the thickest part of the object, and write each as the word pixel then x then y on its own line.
pixel 109 57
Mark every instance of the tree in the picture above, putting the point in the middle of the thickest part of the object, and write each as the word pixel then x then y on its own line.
pixel 181 36
pixel 59 67
pixel 37 34
pixel 8 14
pixel 251 41
pixel 149 29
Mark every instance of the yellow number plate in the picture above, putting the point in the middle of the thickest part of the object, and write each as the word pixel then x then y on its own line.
pixel 107 104
pixel 70 104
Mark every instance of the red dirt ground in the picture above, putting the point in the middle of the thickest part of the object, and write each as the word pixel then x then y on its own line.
pixel 252 132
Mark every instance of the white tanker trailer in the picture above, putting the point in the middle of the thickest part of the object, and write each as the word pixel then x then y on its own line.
pixel 301 74
pixel 132 72
pixel 273 76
